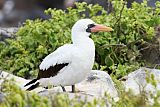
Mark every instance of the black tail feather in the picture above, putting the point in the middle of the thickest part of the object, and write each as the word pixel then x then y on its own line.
pixel 31 82
pixel 33 86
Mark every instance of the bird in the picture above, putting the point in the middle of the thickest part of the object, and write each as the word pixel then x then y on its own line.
pixel 70 63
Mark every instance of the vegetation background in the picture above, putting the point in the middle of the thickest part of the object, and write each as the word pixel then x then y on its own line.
pixel 118 53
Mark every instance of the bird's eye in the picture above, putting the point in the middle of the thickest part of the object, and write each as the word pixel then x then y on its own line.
pixel 91 25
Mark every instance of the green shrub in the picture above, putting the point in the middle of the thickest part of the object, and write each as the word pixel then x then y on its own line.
pixel 15 97
pixel 38 38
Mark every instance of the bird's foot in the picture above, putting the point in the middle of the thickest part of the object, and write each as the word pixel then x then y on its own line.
pixel 64 90
pixel 75 90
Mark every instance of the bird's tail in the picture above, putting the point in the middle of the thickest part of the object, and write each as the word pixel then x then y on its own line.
pixel 31 82
pixel 33 86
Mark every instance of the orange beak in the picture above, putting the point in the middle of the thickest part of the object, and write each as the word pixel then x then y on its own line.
pixel 98 28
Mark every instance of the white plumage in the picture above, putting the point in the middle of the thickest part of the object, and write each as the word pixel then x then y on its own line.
pixel 79 56
pixel 80 63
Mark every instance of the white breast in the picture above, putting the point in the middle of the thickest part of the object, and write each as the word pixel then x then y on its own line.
pixel 82 59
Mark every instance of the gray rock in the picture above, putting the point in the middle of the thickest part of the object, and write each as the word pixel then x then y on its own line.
pixel 103 81
pixel 98 83
pixel 18 80
pixel 137 83
pixel 137 80
pixel 7 33
pixel 1 97
pixel 95 86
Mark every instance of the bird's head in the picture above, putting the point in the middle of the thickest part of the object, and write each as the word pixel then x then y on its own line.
pixel 87 26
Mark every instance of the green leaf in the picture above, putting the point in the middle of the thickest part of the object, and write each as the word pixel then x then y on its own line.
pixel 109 61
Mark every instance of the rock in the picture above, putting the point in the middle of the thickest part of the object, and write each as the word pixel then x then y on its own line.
pixel 137 80
pixel 1 97
pixel 7 33
pixel 137 83
pixel 102 82
pixel 95 86
pixel 18 80
pixel 98 83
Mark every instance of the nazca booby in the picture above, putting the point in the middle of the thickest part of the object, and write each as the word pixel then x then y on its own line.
pixel 70 63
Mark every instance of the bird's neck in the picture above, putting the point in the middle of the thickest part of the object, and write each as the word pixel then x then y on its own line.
pixel 79 38
pixel 85 44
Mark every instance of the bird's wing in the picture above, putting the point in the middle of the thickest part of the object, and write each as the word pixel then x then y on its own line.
pixel 62 55
pixel 53 63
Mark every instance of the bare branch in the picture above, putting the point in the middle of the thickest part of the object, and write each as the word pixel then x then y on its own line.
pixel 120 14
pixel 107 45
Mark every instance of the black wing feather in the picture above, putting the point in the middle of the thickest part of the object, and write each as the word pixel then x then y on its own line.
pixel 50 72
pixel 33 86
pixel 31 82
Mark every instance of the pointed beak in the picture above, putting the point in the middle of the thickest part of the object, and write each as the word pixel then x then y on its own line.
pixel 101 28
